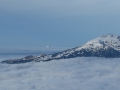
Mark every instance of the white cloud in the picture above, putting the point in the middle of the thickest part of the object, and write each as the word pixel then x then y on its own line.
pixel 69 74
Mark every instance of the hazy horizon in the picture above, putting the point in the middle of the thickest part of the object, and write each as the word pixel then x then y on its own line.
pixel 61 23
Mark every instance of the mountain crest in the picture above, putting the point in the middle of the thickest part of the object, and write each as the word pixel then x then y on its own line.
pixel 107 46
pixel 110 35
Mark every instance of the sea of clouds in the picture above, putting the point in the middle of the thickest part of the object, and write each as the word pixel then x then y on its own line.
pixel 66 74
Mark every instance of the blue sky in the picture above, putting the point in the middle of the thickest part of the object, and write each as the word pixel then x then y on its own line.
pixel 58 23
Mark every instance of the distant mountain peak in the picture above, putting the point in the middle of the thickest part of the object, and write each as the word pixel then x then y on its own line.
pixel 110 35
pixel 107 46
pixel 102 42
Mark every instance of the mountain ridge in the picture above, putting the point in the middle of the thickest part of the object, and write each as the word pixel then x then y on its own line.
pixel 107 46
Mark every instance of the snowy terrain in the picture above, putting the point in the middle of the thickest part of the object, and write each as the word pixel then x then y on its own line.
pixel 66 74
pixel 107 46
pixel 108 40
pixel 103 46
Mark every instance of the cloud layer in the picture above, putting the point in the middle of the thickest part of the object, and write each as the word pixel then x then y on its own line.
pixel 69 74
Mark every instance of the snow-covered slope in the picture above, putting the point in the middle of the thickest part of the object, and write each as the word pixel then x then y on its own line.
pixel 109 40
pixel 105 46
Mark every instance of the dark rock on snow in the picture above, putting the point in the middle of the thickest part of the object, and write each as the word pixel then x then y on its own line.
pixel 107 46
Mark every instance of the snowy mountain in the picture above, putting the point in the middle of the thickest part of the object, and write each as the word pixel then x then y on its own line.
pixel 107 46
